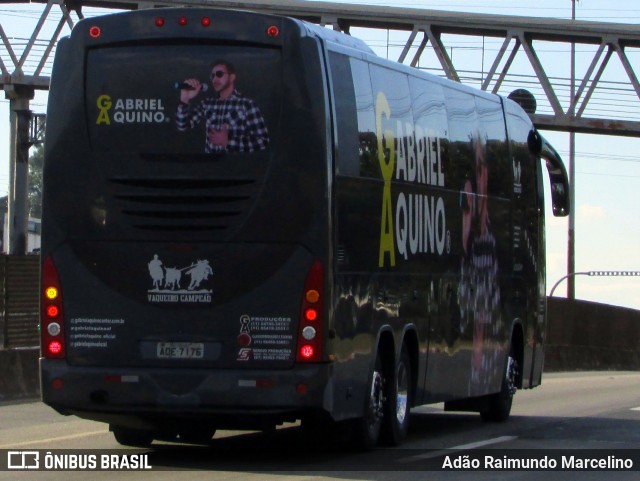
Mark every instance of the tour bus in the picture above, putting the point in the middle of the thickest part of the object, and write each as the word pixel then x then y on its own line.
pixel 251 220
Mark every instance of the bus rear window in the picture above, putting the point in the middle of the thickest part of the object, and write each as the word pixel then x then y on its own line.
pixel 183 99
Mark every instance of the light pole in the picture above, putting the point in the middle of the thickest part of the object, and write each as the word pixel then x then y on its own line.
pixel 595 274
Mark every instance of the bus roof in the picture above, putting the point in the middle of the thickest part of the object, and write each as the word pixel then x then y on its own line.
pixel 339 38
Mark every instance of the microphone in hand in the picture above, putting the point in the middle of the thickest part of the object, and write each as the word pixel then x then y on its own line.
pixel 185 86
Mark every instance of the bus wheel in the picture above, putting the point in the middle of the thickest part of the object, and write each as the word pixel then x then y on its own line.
pixel 132 437
pixel 366 430
pixel 498 406
pixel 396 419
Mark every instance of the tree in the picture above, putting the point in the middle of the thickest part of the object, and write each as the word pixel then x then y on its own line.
pixel 36 162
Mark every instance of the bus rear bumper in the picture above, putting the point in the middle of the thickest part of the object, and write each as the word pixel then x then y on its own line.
pixel 230 399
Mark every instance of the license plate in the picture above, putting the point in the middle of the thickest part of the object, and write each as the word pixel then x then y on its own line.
pixel 180 350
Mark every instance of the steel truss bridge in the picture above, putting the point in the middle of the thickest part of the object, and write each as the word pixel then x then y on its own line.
pixel 514 54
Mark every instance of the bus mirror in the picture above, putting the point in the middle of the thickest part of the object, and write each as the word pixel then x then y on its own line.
pixel 535 142
pixel 539 147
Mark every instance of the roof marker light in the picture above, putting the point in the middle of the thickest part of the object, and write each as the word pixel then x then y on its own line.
pixel 95 31
pixel 159 21
pixel 206 21
pixel 273 31
pixel 182 21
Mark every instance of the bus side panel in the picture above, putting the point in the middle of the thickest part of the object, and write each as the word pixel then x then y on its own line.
pixel 400 216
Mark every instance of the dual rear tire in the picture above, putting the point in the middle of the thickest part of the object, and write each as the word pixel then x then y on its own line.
pixel 387 404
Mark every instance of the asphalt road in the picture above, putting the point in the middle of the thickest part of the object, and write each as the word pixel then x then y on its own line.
pixel 596 414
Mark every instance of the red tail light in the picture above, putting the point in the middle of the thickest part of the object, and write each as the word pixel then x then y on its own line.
pixel 310 332
pixel 52 319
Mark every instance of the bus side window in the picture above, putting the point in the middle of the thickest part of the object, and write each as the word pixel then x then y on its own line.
pixel 365 107
pixel 493 134
pixel 463 133
pixel 395 117
pixel 346 122
pixel 430 117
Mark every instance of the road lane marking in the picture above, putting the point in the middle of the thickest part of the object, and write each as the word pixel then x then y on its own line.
pixel 636 409
pixel 52 440
pixel 461 447
pixel 486 442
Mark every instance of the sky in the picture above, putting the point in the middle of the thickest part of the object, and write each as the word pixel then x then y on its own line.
pixel 607 167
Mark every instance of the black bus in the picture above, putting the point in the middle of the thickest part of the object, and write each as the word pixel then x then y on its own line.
pixel 250 220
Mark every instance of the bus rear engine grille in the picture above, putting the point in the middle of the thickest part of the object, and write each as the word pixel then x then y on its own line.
pixel 188 205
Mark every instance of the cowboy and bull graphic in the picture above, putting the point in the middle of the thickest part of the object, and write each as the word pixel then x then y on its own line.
pixel 168 282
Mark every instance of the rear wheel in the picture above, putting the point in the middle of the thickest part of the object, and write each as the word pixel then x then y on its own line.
pixel 366 430
pixel 396 419
pixel 498 406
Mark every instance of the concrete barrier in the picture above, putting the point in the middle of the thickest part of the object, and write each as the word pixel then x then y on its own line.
pixel 581 335
pixel 19 377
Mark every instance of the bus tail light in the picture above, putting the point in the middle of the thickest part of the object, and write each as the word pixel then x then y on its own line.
pixel 310 332
pixel 52 320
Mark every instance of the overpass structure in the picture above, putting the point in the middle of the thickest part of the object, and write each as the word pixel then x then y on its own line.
pixel 590 102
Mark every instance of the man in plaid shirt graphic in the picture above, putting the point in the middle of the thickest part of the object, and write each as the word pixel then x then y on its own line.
pixel 233 123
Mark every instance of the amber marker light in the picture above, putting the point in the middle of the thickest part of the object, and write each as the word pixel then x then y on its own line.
pixel 51 293
pixel 312 296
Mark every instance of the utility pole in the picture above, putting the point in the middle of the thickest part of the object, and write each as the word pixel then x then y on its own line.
pixel 20 123
pixel 571 254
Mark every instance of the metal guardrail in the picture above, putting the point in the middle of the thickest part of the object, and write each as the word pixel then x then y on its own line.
pixel 19 301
